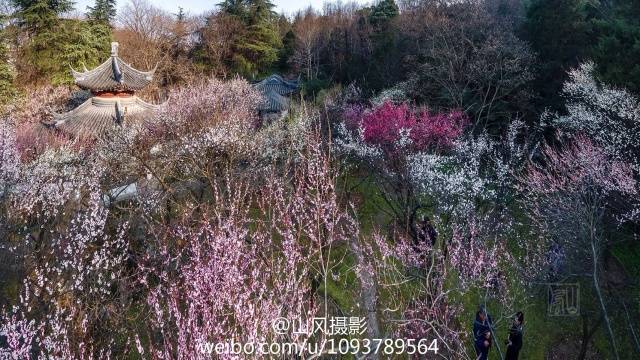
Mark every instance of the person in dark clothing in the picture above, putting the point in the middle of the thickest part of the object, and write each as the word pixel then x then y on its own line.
pixel 425 234
pixel 483 345
pixel 514 343
pixel 481 326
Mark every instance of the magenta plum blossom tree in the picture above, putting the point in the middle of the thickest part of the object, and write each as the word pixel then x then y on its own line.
pixel 393 126
pixel 386 138
pixel 420 155
pixel 568 197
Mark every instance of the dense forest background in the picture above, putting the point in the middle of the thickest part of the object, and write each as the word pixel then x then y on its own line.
pixel 442 156
pixel 494 59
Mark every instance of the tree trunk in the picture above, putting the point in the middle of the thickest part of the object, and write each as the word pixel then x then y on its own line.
pixel 587 334
pixel 633 331
pixel 369 299
pixel 596 285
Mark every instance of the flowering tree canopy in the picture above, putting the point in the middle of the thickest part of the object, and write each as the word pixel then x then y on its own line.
pixel 609 116
pixel 390 125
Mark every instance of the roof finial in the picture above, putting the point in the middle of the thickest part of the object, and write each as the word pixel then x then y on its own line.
pixel 114 49
pixel 119 113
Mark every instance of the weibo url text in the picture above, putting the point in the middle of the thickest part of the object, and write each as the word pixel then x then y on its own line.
pixel 328 347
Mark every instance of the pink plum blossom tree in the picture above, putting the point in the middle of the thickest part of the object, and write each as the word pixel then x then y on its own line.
pixel 250 256
pixel 396 268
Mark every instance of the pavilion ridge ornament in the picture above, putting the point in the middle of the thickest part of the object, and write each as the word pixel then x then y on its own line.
pixel 113 85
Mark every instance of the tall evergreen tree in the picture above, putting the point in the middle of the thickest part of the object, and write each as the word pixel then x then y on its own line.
pixel 287 50
pixel 260 10
pixel 181 16
pixel 385 45
pixel 383 12
pixel 617 49
pixel 261 44
pixel 234 7
pixel 180 34
pixel 7 75
pixel 53 44
pixel 36 14
pixel 258 47
pixel 103 11
pixel 70 43
pixel 558 31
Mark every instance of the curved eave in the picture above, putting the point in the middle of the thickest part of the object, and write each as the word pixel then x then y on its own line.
pixel 278 84
pixel 280 89
pixel 96 116
pixel 104 77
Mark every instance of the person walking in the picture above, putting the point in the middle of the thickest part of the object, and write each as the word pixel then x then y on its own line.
pixel 514 342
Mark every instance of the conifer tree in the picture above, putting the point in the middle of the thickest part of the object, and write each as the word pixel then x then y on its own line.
pixel 618 47
pixel 36 14
pixel 258 47
pixel 287 50
pixel 385 43
pixel 234 8
pixel 103 11
pixel 557 32
pixel 71 43
pixel 7 75
pixel 382 12
pixel 181 16
pixel 53 44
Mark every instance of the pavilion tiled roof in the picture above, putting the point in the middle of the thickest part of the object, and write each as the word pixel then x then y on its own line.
pixel 275 91
pixel 98 115
pixel 278 84
pixel 273 102
pixel 113 75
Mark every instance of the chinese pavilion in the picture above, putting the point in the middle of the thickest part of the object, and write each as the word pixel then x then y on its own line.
pixel 113 85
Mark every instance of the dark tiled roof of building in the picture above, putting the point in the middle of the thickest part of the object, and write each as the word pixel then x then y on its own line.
pixel 278 84
pixel 98 115
pixel 113 75
pixel 273 102
pixel 275 91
